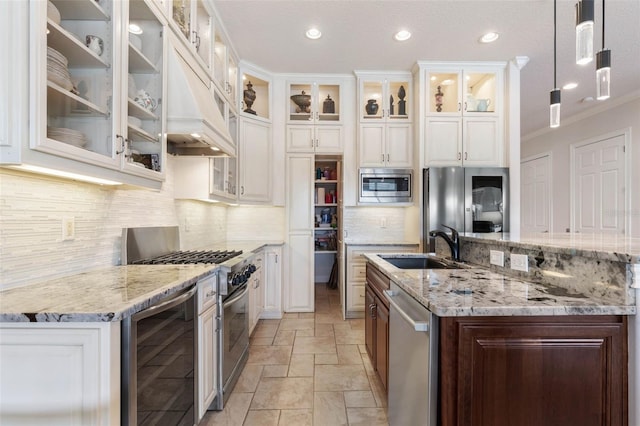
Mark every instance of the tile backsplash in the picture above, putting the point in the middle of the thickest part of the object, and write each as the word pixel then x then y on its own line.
pixel 33 207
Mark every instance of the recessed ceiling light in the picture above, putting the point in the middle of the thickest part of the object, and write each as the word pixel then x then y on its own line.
pixel 570 86
pixel 489 37
pixel 135 29
pixel 313 33
pixel 402 35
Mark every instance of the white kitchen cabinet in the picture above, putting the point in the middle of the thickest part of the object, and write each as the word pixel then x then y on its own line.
pixel 72 370
pixel 254 161
pixel 196 177
pixel 385 137
pixel 78 104
pixel 319 139
pixel 314 119
pixel 145 148
pixel 299 282
pixel 463 110
pixel 356 273
pixel 272 274
pixel 385 145
pixel 256 292
pixel 193 21
pixel 255 99
pixel 207 343
pixel 225 64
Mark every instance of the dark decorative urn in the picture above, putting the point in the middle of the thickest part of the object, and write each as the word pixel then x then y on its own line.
pixel 371 107
pixel 249 98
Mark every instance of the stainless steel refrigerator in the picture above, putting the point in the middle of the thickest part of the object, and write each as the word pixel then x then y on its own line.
pixel 469 199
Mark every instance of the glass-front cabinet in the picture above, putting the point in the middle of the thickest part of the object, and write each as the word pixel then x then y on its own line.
pixel 464 123
pixel 223 169
pixel 452 92
pixel 225 66
pixel 146 85
pixel 314 102
pixel 194 20
pixel 385 97
pixel 255 95
pixel 76 54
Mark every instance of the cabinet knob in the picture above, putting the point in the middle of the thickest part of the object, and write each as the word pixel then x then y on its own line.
pixel 459 155
pixel 124 141
pixel 465 155
pixel 388 158
pixel 465 106
pixel 459 105
pixel 242 190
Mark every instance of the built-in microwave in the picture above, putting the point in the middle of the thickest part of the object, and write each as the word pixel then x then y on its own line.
pixel 386 185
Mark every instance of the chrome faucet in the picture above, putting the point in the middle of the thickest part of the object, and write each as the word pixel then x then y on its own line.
pixel 453 241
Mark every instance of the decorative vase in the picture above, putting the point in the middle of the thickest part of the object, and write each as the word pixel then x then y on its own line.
pixel 371 107
pixel 249 98
pixel 439 96
pixel 402 104
pixel 328 106
pixel 303 102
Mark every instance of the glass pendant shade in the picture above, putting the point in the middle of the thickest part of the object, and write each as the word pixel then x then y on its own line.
pixel 554 108
pixel 603 75
pixel 584 32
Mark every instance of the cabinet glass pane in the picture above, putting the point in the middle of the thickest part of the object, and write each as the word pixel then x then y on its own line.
pixel 480 92
pixel 328 102
pixel 372 97
pixel 443 93
pixel 233 79
pixel 218 174
pixel 80 80
pixel 219 60
pixel 399 100
pixel 300 102
pixel 144 88
pixel 232 176
pixel 181 14
pixel 255 99
pixel 203 33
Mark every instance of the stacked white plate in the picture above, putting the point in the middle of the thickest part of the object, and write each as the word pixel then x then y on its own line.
pixel 53 13
pixel 57 70
pixel 70 136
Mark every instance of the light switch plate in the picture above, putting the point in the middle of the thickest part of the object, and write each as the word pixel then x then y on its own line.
pixel 496 257
pixel 520 262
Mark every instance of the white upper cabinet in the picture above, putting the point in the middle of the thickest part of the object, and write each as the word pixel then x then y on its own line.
pixel 314 118
pixel 254 161
pixel 464 122
pixel 385 134
pixel 81 119
pixel 193 20
pixel 144 150
pixel 225 65
pixel 314 102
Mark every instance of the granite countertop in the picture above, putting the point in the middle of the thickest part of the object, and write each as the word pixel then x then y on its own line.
pixel 598 246
pixel 109 294
pixel 373 242
pixel 477 291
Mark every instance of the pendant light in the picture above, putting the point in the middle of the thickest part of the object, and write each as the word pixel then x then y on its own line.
pixel 584 32
pixel 603 68
pixel 554 105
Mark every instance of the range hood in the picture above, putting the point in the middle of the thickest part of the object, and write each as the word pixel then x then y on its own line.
pixel 195 125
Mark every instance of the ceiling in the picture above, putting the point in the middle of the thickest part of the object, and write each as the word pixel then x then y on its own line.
pixel 358 35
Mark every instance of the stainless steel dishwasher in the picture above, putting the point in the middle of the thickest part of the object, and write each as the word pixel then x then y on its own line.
pixel 413 361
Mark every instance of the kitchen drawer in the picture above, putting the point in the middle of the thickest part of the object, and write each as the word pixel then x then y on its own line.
pixel 358 272
pixel 355 299
pixel 207 292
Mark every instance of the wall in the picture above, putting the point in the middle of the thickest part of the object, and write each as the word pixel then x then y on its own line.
pixel 618 117
pixel 31 212
pixel 364 224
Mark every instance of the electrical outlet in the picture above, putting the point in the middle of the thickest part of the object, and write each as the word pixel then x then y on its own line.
pixel 68 228
pixel 383 222
pixel 496 257
pixel 520 262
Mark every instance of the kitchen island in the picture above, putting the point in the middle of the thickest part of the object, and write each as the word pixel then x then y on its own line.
pixel 547 346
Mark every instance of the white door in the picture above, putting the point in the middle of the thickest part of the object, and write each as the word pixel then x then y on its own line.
pixel 599 186
pixel 535 193
pixel 255 161
pixel 371 147
pixel 399 145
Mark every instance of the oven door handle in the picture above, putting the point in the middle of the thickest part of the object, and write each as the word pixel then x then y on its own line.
pixel 235 299
pixel 167 304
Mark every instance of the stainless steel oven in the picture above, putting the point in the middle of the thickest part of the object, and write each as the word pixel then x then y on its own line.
pixel 385 185
pixel 159 365
pixel 233 338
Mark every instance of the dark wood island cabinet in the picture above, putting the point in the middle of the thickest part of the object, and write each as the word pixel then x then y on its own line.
pixel 376 321
pixel 551 370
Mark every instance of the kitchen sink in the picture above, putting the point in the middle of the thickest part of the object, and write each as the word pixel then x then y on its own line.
pixel 420 262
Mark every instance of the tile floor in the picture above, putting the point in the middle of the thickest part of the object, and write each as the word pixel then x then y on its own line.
pixel 306 369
